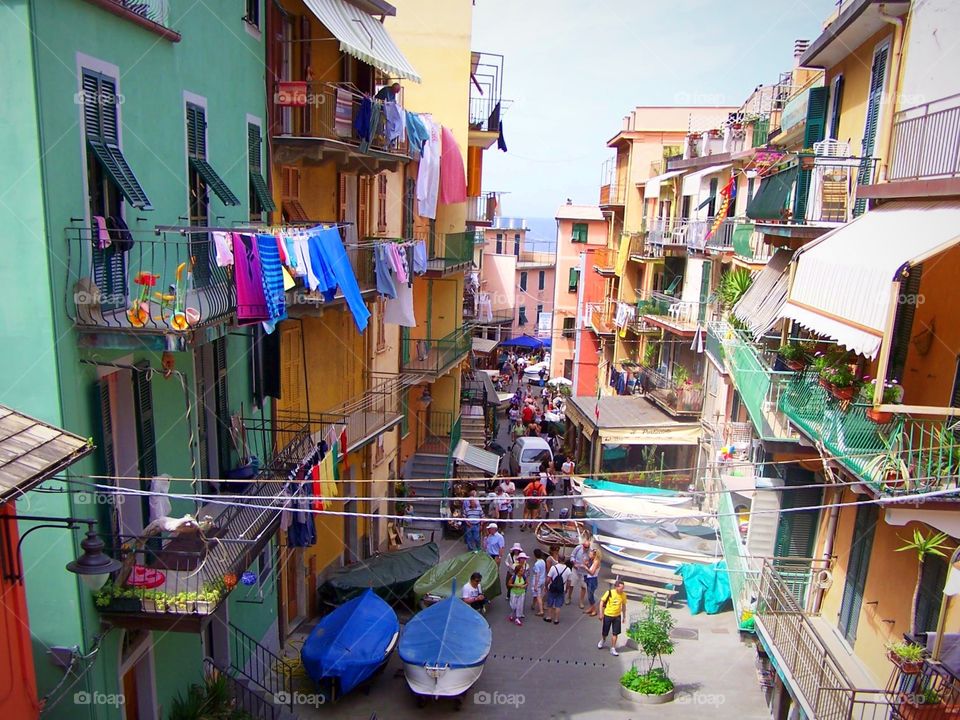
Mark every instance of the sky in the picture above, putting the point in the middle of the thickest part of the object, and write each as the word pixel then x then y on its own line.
pixel 574 69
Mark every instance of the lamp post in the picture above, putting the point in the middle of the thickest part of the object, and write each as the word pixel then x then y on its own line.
pixel 94 566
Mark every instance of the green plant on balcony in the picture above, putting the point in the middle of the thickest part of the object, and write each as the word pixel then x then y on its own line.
pixel 947 463
pixel 892 395
pixel 794 355
pixel 889 468
pixel 681 377
pixel 908 657
pixel 650 353
pixel 210 701
pixel 929 545
pixel 841 380
pixel 732 286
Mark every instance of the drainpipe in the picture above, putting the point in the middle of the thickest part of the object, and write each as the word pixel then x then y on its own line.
pixel 889 111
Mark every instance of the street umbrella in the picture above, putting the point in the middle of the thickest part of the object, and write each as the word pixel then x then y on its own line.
pixel 523 341
pixel 560 381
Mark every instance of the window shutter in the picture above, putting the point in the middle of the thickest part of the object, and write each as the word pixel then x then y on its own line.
pixel 257 182
pixel 878 74
pixel 146 432
pixel 903 323
pixel 523 281
pixel 813 133
pixel 857 565
pixel 933 577
pixel 541 281
pixel 90 85
pixel 342 197
pixel 955 395
pixel 253 146
pixel 196 132
pixel 104 421
pixel 110 276
pixel 836 103
pixel 222 402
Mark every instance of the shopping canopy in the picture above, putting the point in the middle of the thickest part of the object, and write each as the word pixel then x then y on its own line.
pixel 523 341
pixel 842 283
pixel 361 36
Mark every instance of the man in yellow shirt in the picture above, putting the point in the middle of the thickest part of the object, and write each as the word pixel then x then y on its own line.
pixel 613 609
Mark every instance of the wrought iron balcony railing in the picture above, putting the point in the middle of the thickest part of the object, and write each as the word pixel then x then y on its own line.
pixel 482 209
pixel 675 396
pixel 904 455
pixel 925 141
pixel 435 356
pixel 666 310
pixel 486 87
pixel 932 693
pixel 146 283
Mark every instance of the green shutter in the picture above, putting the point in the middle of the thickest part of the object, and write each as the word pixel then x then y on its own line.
pixel 770 202
pixel 857 566
pixel 704 290
pixel 110 276
pixel 813 133
pixel 107 512
pixel 933 576
pixel 797 530
pixel 836 103
pixel 579 233
pixel 214 181
pixel 742 236
pixel 196 131
pixel 409 211
pixel 146 432
pixel 222 402
pixel 257 182
pixel 903 323
pixel 574 279
pixel 878 74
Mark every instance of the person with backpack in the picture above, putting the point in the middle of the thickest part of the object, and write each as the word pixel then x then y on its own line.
pixel 557 578
pixel 534 492
pixel 517 588
pixel 613 609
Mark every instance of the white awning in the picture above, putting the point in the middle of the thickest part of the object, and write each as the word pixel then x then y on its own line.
pixel 691 182
pixel 759 308
pixel 651 187
pixel 484 345
pixel 478 458
pixel 363 37
pixel 842 283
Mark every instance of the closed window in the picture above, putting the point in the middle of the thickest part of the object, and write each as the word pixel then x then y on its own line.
pixel 569 327
pixel 522 316
pixel 499 243
pixel 382 202
pixel 523 281
pixel 542 280
pixel 579 234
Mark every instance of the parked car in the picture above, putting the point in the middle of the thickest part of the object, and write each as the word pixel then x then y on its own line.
pixel 525 458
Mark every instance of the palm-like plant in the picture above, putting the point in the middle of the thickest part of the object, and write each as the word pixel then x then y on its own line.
pixel 732 287
pixel 924 546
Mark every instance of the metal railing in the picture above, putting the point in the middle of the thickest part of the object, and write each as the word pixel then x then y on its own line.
pixel 495 316
pixel 933 693
pixel 926 141
pixel 245 698
pixel 671 310
pixel 157 11
pixel 330 112
pixel 482 209
pixel 760 386
pixel 452 250
pixel 362 264
pixel 612 194
pixel 679 398
pixel 259 666
pixel 826 191
pixel 439 423
pixel 600 317
pixel 687 232
pixel 715 342
pixel 816 674
pixel 486 86
pixel 905 455
pixel 536 257
pixel 722 238
pixel 435 355
pixel 146 283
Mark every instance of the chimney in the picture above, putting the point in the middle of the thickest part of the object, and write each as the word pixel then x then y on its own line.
pixel 799 48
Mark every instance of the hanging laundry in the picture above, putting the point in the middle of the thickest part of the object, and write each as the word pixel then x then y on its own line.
pixel 419 257
pixel 396 119
pixel 417 133
pixel 281 249
pixel 428 174
pixel 251 301
pixel 223 248
pixel 398 262
pixel 332 269
pixel 399 311
pixel 101 238
pixel 501 142
pixel 453 177
pixel 119 233
pixel 363 119
pixel 342 113
pixel 382 270
pixel 288 282
pixel 376 116
pixel 272 276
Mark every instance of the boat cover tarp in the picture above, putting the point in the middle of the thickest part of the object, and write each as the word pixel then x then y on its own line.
pixel 351 642
pixel 610 486
pixel 669 535
pixel 390 575
pixel 707 587
pixel 449 633
pixel 437 580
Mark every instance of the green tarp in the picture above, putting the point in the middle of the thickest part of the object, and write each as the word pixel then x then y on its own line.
pixel 707 587
pixel 439 579
pixel 770 202
pixel 742 235
pixel 390 575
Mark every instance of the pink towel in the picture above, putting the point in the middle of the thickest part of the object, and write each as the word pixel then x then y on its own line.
pixel 103 237
pixel 398 262
pixel 453 178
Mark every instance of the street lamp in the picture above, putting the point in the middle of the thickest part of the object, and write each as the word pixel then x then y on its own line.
pixel 94 566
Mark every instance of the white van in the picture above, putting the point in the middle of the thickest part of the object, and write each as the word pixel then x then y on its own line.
pixel 526 456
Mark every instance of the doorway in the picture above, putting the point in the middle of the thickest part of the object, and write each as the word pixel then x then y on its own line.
pixel 137 681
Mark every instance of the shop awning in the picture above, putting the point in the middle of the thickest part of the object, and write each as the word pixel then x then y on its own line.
pixel 32 451
pixel 483 345
pixel 630 420
pixel 691 182
pixel 759 308
pixel 363 37
pixel 842 282
pixel 651 187
pixel 770 202
pixel 478 458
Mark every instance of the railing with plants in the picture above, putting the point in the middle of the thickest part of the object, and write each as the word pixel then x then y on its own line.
pixel 145 282
pixel 817 675
pixel 672 310
pixel 435 356
pixel 239 695
pixel 676 390
pixel 921 688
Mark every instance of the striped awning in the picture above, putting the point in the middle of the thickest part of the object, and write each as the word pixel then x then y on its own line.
pixel 363 37
pixel 760 305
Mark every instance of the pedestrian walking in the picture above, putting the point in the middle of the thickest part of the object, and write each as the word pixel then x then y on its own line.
pixel 557 578
pixel 579 556
pixel 472 515
pixel 509 490
pixel 538 581
pixel 534 492
pixel 613 611
pixel 517 587
pixel 493 543
pixel 472 593
pixel 592 578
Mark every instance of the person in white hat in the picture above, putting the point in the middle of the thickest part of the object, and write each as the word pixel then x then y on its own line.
pixel 493 543
pixel 517 588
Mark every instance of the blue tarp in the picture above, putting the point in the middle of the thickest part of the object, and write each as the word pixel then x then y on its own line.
pixel 707 587
pixel 351 642
pixel 609 485
pixel 449 633
pixel 523 341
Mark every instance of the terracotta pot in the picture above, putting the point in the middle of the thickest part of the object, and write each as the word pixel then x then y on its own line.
pixel 842 393
pixel 824 384
pixel 795 365
pixel 881 417
pixel 907 667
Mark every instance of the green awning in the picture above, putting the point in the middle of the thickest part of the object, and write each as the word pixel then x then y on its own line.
pixel 214 181
pixel 116 167
pixel 260 190
pixel 742 235
pixel 770 202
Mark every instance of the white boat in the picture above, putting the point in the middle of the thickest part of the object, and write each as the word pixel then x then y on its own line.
pixel 651 555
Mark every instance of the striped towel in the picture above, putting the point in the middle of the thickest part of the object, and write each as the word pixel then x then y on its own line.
pixel 272 275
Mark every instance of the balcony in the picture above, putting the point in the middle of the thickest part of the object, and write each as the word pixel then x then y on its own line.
pixel 676 398
pixel 690 233
pixel 925 141
pixel 759 385
pixel 912 694
pixel 302 301
pixel 435 357
pixel 604 261
pixel 199 569
pixel 152 15
pixel 528 259
pixel 320 127
pixel 156 290
pixel 452 252
pixel 747 244
pixel 372 412
pixel 681 317
pixel 612 184
pixel 907 455
pixel 642 249
pixel 823 676
pixel 482 210
pixel 486 104
pixel 600 318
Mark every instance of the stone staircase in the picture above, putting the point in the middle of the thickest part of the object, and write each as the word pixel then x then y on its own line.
pixel 472 429
pixel 425 470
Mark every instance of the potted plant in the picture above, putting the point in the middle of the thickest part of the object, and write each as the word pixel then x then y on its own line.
pixel 149 601
pixel 889 468
pixel 807 158
pixel 650 353
pixel 651 633
pixel 841 381
pixel 908 657
pixel 160 601
pixel 924 546
pixel 681 376
pixel 794 356
pixel 892 395
pixel 715 133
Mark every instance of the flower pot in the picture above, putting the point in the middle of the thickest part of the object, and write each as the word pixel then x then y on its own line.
pixel 204 607
pixel 907 667
pixel 149 605
pixel 642 699
pixel 842 393
pixel 806 162
pixel 881 417
pixel 823 383
pixel 795 365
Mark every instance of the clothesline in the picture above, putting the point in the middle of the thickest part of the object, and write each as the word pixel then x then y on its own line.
pixel 185 229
